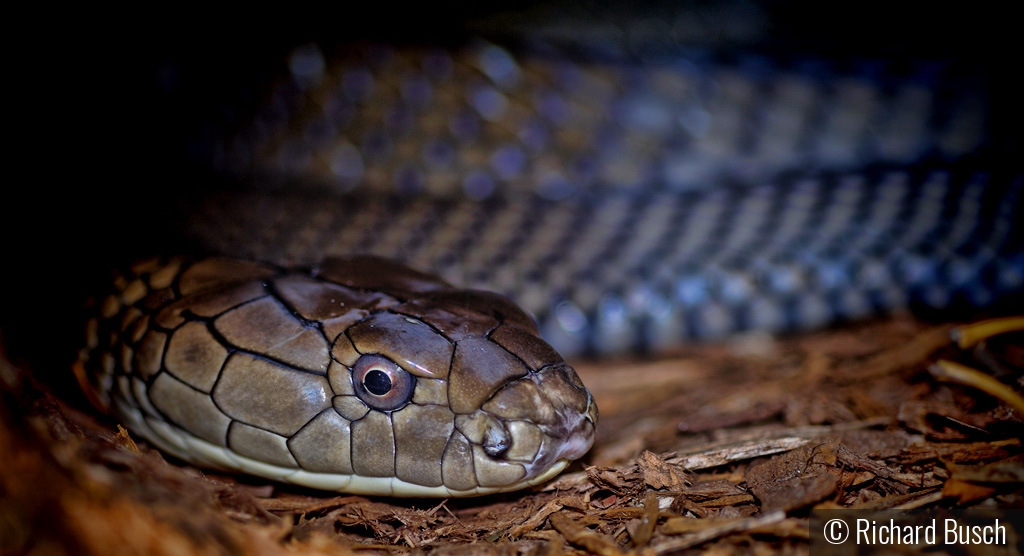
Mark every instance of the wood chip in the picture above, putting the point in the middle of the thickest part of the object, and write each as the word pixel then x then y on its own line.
pixel 594 543
pixel 841 419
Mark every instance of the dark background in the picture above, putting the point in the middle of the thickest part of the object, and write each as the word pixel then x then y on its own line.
pixel 106 102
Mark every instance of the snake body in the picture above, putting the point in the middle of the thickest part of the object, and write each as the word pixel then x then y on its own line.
pixel 630 202
pixel 627 204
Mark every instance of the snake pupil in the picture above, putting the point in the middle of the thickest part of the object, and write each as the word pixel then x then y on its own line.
pixel 377 383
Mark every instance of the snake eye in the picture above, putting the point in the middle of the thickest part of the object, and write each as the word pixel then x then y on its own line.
pixel 381 383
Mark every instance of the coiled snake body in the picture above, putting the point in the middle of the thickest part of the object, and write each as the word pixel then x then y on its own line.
pixel 625 206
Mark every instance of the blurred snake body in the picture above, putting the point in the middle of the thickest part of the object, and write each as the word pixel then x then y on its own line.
pixel 626 206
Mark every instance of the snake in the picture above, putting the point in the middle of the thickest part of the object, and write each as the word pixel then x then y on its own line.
pixel 626 202
pixel 360 375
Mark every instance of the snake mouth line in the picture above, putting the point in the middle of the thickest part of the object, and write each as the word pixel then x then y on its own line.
pixel 185 446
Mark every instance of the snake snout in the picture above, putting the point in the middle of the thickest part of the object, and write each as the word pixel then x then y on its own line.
pixel 581 436
pixel 549 417
pixel 575 408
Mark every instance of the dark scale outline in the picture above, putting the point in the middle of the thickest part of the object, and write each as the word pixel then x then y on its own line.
pixel 187 316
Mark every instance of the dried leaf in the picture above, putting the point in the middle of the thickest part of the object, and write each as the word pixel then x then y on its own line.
pixel 659 474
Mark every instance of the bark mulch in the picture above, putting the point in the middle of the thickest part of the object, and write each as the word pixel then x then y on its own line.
pixel 715 448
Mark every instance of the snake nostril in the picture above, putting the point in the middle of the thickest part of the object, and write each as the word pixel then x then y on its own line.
pixel 496 440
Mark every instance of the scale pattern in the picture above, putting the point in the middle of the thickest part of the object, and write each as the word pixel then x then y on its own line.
pixel 627 272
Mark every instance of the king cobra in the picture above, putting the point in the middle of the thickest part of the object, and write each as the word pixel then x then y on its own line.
pixel 362 376
pixel 627 202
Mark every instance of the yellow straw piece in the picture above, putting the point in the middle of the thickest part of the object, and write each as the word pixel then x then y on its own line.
pixel 949 371
pixel 968 335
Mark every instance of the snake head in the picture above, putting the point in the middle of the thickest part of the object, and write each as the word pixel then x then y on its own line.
pixel 361 376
